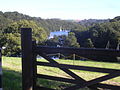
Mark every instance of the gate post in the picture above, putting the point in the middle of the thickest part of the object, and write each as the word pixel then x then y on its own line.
pixel 0 68
pixel 27 69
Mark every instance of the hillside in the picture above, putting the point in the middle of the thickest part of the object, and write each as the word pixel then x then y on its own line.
pixel 91 22
pixel 91 33
pixel 50 24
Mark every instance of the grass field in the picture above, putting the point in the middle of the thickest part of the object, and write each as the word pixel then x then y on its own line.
pixel 12 73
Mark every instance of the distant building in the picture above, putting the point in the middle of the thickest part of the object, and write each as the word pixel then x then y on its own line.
pixel 58 33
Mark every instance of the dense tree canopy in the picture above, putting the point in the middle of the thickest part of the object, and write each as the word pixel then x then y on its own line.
pixel 63 41
pixel 100 34
pixel 86 33
pixel 11 35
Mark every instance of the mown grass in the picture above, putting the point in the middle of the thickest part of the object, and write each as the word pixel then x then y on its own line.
pixel 12 73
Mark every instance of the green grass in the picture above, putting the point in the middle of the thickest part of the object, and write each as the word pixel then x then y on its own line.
pixel 12 73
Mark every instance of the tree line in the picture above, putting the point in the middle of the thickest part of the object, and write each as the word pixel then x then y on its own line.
pixel 82 34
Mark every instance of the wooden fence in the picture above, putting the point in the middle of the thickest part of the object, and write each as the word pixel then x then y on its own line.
pixel 29 65
pixel 0 68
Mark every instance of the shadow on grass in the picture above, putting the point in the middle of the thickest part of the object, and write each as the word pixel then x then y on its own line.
pixel 11 80
pixel 57 85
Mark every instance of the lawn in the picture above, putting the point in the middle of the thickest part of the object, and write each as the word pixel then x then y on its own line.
pixel 12 73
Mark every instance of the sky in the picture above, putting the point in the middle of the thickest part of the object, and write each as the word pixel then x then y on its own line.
pixel 64 9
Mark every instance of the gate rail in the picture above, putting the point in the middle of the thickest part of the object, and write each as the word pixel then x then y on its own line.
pixel 0 68
pixel 29 65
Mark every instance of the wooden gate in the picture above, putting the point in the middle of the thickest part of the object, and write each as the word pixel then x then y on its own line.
pixel 29 65
pixel 0 68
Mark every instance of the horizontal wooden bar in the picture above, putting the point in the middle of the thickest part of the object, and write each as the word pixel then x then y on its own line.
pixel 79 51
pixel 103 78
pixel 85 68
pixel 72 74
pixel 95 81
pixel 57 78
pixel 43 88
pixel 106 86
pixel 98 85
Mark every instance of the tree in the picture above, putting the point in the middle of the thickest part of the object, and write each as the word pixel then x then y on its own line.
pixel 89 43
pixel 102 33
pixel 53 41
pixel 63 41
pixel 71 40
pixel 11 36
pixel 12 44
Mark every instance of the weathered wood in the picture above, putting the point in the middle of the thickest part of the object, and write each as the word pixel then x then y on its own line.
pixel 94 81
pixel 79 68
pixel 65 70
pixel 57 78
pixel 0 68
pixel 27 66
pixel 113 87
pixel 34 66
pixel 85 68
pixel 103 78
pixel 43 88
pixel 73 56
pixel 106 86
pixel 107 55
pixel 99 85
pixel 79 51
pixel 84 83
pixel 76 77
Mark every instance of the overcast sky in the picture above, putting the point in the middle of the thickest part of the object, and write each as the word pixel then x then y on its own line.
pixel 64 9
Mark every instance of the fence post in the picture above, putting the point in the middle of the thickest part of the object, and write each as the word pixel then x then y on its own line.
pixel 0 68
pixel 34 67
pixel 73 58
pixel 27 71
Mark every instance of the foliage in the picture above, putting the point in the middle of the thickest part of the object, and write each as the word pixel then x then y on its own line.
pixel 92 22
pixel 89 43
pixel 64 41
pixel 100 34
pixel 87 33
pixel 115 19
pixel 11 36
pixel 71 40
pixel 50 24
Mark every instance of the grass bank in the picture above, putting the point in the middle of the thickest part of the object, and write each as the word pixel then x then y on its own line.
pixel 12 73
